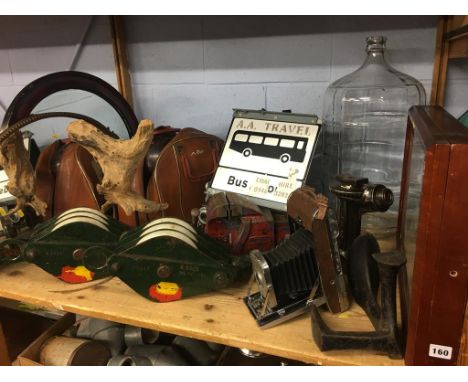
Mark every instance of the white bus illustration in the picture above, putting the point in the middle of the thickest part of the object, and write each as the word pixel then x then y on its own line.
pixel 283 147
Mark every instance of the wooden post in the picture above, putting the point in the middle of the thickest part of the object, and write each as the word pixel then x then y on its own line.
pixel 120 58
pixel 439 74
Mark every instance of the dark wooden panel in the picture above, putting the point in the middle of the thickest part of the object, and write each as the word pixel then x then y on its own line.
pixel 427 244
pixel 448 301
pixel 440 276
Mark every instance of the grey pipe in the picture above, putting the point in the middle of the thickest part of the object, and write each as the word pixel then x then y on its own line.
pixel 109 332
pixel 129 360
pixel 198 352
pixel 139 336
pixel 218 348
pixel 159 355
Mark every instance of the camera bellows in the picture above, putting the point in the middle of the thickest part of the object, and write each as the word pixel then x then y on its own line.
pixel 292 265
pixel 285 278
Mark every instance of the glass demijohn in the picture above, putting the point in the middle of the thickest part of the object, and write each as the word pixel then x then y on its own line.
pixel 364 125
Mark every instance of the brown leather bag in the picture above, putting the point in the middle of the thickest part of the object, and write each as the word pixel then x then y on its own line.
pixel 161 136
pixel 66 177
pixel 181 171
pixel 135 218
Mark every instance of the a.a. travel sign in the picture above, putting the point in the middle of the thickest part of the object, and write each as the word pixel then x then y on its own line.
pixel 267 155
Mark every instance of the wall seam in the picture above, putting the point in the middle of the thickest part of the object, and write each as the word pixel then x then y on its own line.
pixel 332 37
pixel 203 48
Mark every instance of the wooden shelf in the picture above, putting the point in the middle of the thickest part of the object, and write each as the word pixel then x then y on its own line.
pixel 219 317
pixel 451 43
pixel 458 48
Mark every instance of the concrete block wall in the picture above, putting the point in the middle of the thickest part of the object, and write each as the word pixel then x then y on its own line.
pixel 456 96
pixel 192 70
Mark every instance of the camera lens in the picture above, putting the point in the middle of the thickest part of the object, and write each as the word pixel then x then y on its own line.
pixel 379 196
pixel 383 197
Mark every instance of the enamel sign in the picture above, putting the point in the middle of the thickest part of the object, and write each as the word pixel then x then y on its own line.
pixel 267 156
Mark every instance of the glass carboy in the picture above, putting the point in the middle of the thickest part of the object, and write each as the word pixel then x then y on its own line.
pixel 364 126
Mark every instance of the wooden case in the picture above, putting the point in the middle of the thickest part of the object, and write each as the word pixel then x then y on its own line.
pixel 433 233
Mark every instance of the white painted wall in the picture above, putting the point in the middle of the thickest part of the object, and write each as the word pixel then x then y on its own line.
pixel 191 71
pixel 456 96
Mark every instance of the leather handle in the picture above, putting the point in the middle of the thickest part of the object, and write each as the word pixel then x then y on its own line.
pixel 165 129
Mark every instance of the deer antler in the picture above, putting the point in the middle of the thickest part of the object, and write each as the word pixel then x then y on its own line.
pixel 118 160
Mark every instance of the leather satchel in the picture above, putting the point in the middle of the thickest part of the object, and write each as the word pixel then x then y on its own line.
pixel 66 177
pixel 181 171
pixel 162 135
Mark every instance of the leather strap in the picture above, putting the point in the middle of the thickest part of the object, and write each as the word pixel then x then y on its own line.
pixel 244 231
pixel 45 188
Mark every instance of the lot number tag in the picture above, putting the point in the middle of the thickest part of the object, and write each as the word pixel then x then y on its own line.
pixel 439 351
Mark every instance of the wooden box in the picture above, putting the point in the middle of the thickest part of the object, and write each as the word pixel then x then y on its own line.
pixel 30 355
pixel 433 233
pixel 18 329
